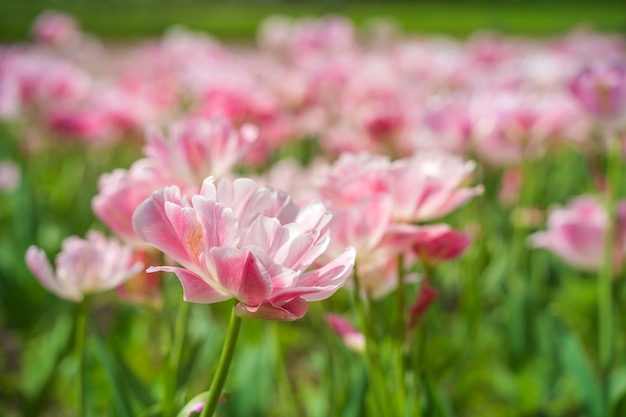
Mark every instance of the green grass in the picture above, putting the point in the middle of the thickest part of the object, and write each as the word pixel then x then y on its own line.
pixel 123 20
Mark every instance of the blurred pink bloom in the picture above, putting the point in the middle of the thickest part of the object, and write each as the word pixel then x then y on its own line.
pixel 601 89
pixel 143 288
pixel 9 175
pixel 84 266
pixel 375 202
pixel 430 185
pixel 424 299
pixel 240 240
pixel 576 233
pixel 510 186
pixel 437 243
pixel 10 102
pixel 121 191
pixel 55 28
pixel 353 339
pixel 198 148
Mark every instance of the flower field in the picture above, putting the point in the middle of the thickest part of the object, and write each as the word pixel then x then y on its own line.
pixel 329 220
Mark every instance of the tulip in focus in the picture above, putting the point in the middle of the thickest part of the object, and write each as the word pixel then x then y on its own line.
pixel 84 266
pixel 239 240
pixel 576 234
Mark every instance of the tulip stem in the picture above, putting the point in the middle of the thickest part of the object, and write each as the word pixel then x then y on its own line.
pixel 81 325
pixel 605 281
pixel 174 358
pixel 400 332
pixel 222 368
pixel 376 380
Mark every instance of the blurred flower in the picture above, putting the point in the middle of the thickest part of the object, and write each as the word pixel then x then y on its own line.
pixel 375 203
pixel 143 288
pixel 121 191
pixel 198 148
pixel 240 240
pixel 430 185
pixel 55 28
pixel 424 299
pixel 353 339
pixel 84 266
pixel 437 243
pixel 601 89
pixel 9 175
pixel 510 186
pixel 576 233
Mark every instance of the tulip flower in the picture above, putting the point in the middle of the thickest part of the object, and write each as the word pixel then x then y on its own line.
pixel 239 240
pixel 576 234
pixel 601 89
pixel 84 266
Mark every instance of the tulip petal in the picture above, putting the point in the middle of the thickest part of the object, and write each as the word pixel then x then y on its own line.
pixel 153 225
pixel 321 283
pixel 40 266
pixel 241 274
pixel 293 310
pixel 195 289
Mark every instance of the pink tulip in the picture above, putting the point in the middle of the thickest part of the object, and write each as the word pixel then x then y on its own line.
pixel 601 89
pixel 437 243
pixel 353 339
pixel 121 191
pixel 425 298
pixel 239 240
pixel 375 201
pixel 198 148
pixel 576 233
pixel 55 28
pixel 10 175
pixel 430 185
pixel 84 266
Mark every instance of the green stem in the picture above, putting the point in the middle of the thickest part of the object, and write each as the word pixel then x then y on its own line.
pixel 605 281
pixel 285 388
pixel 81 325
pixel 377 382
pixel 222 368
pixel 174 358
pixel 400 334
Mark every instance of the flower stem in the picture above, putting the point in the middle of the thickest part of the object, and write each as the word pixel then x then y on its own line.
pixel 400 333
pixel 81 325
pixel 174 358
pixel 605 281
pixel 376 380
pixel 222 368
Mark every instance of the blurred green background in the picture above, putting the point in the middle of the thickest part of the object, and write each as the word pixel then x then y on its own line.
pixel 133 19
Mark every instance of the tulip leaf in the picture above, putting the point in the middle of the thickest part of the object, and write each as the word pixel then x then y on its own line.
pixel 42 356
pixel 356 400
pixel 618 388
pixel 121 402
pixel 577 364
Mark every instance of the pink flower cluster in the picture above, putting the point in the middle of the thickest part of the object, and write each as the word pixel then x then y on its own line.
pixel 500 98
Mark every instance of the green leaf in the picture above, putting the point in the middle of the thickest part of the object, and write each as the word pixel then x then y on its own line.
pixel 577 364
pixel 42 355
pixel 121 402
pixel 435 403
pixel 618 387
pixel 356 400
